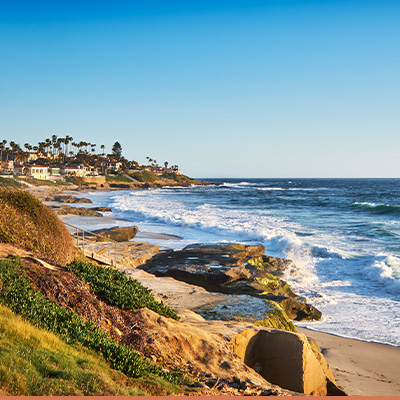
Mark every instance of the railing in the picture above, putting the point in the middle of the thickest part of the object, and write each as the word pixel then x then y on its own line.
pixel 91 237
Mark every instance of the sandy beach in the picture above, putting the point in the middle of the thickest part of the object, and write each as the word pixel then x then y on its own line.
pixel 360 367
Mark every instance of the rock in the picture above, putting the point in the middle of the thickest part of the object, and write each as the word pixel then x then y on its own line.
pixel 118 234
pixel 82 211
pixel 300 311
pixel 276 317
pixel 286 359
pixel 120 185
pixel 101 209
pixel 193 349
pixel 71 199
pixel 232 269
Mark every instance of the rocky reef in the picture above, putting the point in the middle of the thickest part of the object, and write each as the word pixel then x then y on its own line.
pixel 236 269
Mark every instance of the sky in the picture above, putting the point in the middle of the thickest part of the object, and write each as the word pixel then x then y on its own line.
pixel 238 88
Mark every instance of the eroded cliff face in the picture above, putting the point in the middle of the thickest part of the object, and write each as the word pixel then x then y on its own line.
pixel 286 359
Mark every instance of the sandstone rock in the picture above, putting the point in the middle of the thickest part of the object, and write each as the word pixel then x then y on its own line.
pixel 286 359
pixel 300 311
pixel 232 269
pixel 276 317
pixel 82 211
pixel 118 234
pixel 70 199
pixel 120 185
pixel 101 209
pixel 199 352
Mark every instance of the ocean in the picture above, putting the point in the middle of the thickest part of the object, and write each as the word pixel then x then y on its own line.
pixel 343 236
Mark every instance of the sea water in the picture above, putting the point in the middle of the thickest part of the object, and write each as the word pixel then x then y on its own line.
pixel 343 236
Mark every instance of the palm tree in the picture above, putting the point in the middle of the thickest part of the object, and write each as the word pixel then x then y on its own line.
pixel 47 145
pixel 53 141
pixel 67 141
pixel 2 146
pixel 102 148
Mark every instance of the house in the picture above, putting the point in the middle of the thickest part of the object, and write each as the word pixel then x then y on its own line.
pixel 33 171
pixel 77 170
pixel 7 165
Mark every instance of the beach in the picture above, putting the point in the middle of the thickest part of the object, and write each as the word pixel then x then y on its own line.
pixel 360 367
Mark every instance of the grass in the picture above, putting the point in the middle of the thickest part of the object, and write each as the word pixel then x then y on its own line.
pixel 117 178
pixel 176 177
pixel 35 362
pixel 17 294
pixel 9 183
pixel 144 176
pixel 27 223
pixel 119 289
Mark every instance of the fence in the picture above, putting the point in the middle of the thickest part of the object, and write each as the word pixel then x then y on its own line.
pixel 84 237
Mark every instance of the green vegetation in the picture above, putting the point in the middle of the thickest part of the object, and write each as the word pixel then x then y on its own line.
pixel 176 177
pixel 9 183
pixel 118 289
pixel 42 182
pixel 144 176
pixel 275 317
pixel 27 223
pixel 274 285
pixel 117 178
pixel 17 294
pixel 35 362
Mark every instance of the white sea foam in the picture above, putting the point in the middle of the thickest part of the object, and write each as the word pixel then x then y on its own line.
pixel 289 189
pixel 386 271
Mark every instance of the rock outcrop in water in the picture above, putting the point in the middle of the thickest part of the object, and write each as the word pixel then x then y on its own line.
pixel 233 269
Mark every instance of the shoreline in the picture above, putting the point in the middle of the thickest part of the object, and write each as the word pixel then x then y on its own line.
pixel 360 367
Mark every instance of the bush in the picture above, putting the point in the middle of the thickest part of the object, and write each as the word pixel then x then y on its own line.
pixel 119 290
pixel 17 294
pixel 27 223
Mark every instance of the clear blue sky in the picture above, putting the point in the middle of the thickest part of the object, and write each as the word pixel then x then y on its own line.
pixel 222 88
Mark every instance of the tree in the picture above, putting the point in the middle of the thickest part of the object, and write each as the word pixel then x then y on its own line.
pixel 102 148
pixel 2 147
pixel 117 150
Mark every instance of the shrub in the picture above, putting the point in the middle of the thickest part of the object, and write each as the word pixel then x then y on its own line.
pixel 119 289
pixel 22 299
pixel 27 223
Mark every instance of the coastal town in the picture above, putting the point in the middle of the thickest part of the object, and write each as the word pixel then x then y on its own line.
pixel 63 160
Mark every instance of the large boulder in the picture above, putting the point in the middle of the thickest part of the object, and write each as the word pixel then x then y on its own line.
pixel 286 359
pixel 69 199
pixel 82 211
pixel 118 234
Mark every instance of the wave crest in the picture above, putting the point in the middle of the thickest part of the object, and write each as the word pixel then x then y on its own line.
pixel 378 208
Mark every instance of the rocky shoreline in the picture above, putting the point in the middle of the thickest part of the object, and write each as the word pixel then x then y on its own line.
pixel 242 270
